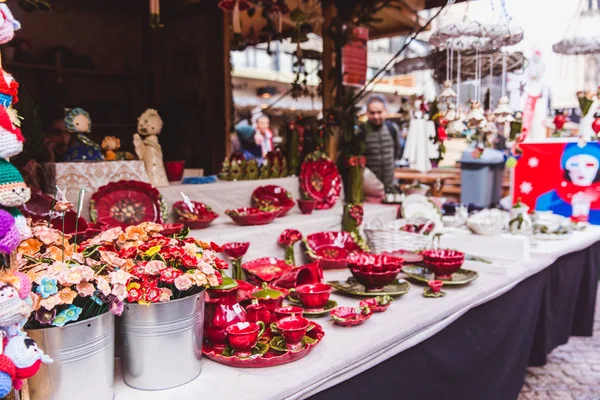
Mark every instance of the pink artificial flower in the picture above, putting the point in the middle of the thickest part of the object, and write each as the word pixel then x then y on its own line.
pixel 151 227
pixel 154 267
pixel 85 289
pixel 208 256
pixel 50 302
pixel 57 268
pixel 206 268
pixel 67 296
pixel 72 276
pixel 199 277
pixel 213 280
pixel 190 249
pixel 49 236
pixel 92 263
pixel 165 295
pixel 78 257
pixel 103 285
pixel 183 282
pixel 86 272
pixel 120 291
pixel 111 258
pixel 120 277
pixel 116 308
pixel 109 236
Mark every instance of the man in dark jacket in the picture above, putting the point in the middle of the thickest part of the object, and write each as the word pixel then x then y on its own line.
pixel 382 146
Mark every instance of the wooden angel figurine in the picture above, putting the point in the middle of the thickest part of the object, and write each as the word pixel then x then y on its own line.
pixel 148 149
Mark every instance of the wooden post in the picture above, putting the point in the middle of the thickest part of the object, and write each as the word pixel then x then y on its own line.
pixel 329 12
pixel 228 104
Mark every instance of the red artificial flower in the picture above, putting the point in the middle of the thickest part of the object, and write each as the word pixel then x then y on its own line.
pixel 108 247
pixel 169 274
pixel 189 261
pixel 149 281
pixel 171 252
pixel 235 250
pixel 435 286
pixel 129 252
pixel 289 236
pixel 441 133
pixel 134 294
pixel 220 263
pixel 215 247
pixel 357 212
pixel 138 270
pixel 153 294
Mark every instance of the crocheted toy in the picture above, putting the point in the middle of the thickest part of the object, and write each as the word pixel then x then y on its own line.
pixel 78 122
pixel 13 309
pixel 110 145
pixel 148 149
pixel 11 139
pixel 13 191
pixel 8 374
pixel 8 24
pixel 26 356
pixel 9 234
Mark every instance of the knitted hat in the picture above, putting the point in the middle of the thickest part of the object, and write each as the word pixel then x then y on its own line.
pixel 9 234
pixel 13 191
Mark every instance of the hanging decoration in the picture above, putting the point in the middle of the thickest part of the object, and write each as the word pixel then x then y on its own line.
pixel 155 14
pixel 503 111
pixel 583 33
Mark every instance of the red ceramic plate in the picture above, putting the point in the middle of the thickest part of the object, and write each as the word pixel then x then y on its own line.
pixel 265 269
pixel 201 222
pixel 374 305
pixel 251 216
pixel 408 256
pixel 127 203
pixel 171 229
pixel 350 316
pixel 330 248
pixel 321 180
pixel 273 195
pixel 271 357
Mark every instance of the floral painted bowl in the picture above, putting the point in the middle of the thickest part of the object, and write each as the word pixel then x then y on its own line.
pixel 373 262
pixel 265 269
pixel 443 262
pixel 201 222
pixel 171 229
pixel 251 216
pixel 313 296
pixel 330 248
pixel 273 195
pixel 350 316
pixel 377 304
pixel 199 217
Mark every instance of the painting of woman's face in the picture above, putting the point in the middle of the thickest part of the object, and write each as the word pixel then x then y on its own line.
pixel 582 169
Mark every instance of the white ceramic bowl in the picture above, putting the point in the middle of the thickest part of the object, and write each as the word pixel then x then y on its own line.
pixel 488 222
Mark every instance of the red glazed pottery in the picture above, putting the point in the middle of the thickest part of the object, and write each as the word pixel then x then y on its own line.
pixel 373 281
pixel 244 335
pixel 174 170
pixel 201 223
pixel 309 273
pixel 272 357
pixel 321 180
pixel 266 269
pixel 171 229
pixel 222 310
pixel 407 256
pixel 235 250
pixel 373 262
pixel 251 216
pixel 270 297
pixel 377 304
pixel 306 206
pixel 330 248
pixel 293 330
pixel 435 286
pixel 199 217
pixel 313 295
pixel 275 196
pixel 245 290
pixel 289 311
pixel 257 312
pixel 350 316
pixel 442 262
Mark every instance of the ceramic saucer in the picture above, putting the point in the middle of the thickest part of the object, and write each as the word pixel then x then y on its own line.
pixel 312 313
pixel 352 287
pixel 422 274
pixel 257 351
pixel 275 331
pixel 278 343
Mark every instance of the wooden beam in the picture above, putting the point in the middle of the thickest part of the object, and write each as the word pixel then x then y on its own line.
pixel 228 87
pixel 329 12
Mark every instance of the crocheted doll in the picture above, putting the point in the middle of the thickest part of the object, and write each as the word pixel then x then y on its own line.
pixel 148 149
pixel 110 145
pixel 11 139
pixel 9 234
pixel 14 193
pixel 78 122
pixel 8 24
pixel 26 356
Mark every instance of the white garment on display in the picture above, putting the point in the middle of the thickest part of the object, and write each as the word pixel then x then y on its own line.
pixel 419 149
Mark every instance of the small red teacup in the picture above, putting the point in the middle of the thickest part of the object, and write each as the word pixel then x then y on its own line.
pixel 313 295
pixel 243 336
pixel 289 311
pixel 293 330
pixel 257 312
pixel 306 206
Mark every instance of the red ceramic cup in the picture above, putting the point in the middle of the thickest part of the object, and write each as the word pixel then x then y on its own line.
pixel 174 170
pixel 293 330
pixel 306 206
pixel 244 335
pixel 314 295
pixel 290 311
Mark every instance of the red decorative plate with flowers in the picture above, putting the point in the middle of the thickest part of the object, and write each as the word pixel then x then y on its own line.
pixel 265 269
pixel 273 196
pixel 321 180
pixel 125 203
pixel 330 248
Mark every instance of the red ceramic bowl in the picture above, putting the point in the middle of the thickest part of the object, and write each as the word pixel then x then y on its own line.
pixel 174 170
pixel 373 262
pixel 330 248
pixel 306 206
pixel 244 335
pixel 442 262
pixel 171 229
pixel 374 280
pixel 251 216
pixel 350 316
pixel 293 330
pixel 273 195
pixel 202 222
pixel 289 311
pixel 235 249
pixel 314 295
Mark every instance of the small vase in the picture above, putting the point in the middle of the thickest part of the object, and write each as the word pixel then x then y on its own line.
pixel 222 310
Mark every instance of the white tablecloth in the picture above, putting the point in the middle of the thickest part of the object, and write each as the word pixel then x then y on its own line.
pixel 346 352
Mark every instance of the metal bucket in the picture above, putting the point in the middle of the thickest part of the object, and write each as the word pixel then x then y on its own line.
pixel 161 344
pixel 84 360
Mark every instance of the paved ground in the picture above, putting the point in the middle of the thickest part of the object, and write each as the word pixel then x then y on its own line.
pixel 572 371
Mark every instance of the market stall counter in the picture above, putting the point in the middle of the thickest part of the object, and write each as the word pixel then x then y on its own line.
pixel 476 342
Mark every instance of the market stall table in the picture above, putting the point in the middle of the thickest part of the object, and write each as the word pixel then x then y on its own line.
pixel 474 343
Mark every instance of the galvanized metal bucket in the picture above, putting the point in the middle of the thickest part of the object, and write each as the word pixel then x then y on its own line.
pixel 161 344
pixel 84 360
